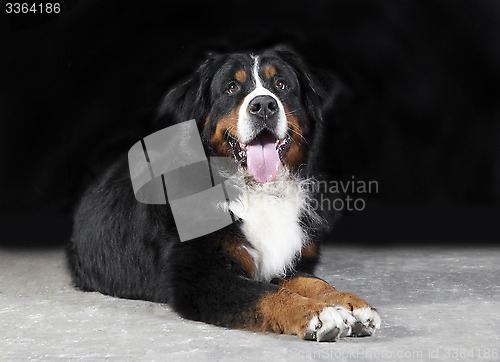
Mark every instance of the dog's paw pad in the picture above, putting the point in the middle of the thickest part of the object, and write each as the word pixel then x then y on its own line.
pixel 331 324
pixel 367 322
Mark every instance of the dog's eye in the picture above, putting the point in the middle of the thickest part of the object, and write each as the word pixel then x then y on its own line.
pixel 233 87
pixel 280 84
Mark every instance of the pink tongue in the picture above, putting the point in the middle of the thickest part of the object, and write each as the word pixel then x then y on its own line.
pixel 263 160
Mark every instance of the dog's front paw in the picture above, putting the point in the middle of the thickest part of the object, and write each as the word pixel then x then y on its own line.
pixel 367 322
pixel 331 323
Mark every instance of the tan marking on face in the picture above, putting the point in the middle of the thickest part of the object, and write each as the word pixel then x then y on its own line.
pixel 240 76
pixel 207 121
pixel 320 290
pixel 227 123
pixel 295 154
pixel 270 71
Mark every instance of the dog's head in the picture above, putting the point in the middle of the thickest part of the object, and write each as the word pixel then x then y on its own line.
pixel 263 110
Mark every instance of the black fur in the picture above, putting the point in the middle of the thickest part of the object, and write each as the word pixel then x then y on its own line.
pixel 126 249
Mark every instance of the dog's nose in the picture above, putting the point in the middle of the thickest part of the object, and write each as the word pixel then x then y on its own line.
pixel 263 107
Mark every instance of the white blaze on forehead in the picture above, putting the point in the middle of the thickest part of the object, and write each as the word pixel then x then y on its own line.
pixel 244 126
pixel 255 71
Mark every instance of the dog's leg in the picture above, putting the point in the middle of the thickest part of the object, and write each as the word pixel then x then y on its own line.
pixel 367 318
pixel 208 284
pixel 283 311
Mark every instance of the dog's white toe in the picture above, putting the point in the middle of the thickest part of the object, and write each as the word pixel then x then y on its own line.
pixel 331 324
pixel 367 322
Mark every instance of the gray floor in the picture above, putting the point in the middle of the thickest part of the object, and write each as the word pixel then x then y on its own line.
pixel 435 304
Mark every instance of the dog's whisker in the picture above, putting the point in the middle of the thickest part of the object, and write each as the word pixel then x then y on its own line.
pixel 228 132
pixel 297 133
pixel 293 112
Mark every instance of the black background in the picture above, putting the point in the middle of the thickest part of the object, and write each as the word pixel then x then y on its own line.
pixel 418 112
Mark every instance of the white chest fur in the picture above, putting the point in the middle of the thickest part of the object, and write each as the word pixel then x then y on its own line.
pixel 271 215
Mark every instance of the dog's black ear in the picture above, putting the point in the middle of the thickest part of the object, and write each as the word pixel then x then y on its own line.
pixel 190 99
pixel 318 91
pixel 284 47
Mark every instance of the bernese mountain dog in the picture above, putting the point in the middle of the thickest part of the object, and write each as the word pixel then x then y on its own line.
pixel 264 111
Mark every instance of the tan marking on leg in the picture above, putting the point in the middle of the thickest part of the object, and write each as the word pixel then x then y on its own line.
pixel 239 250
pixel 310 251
pixel 322 291
pixel 287 312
